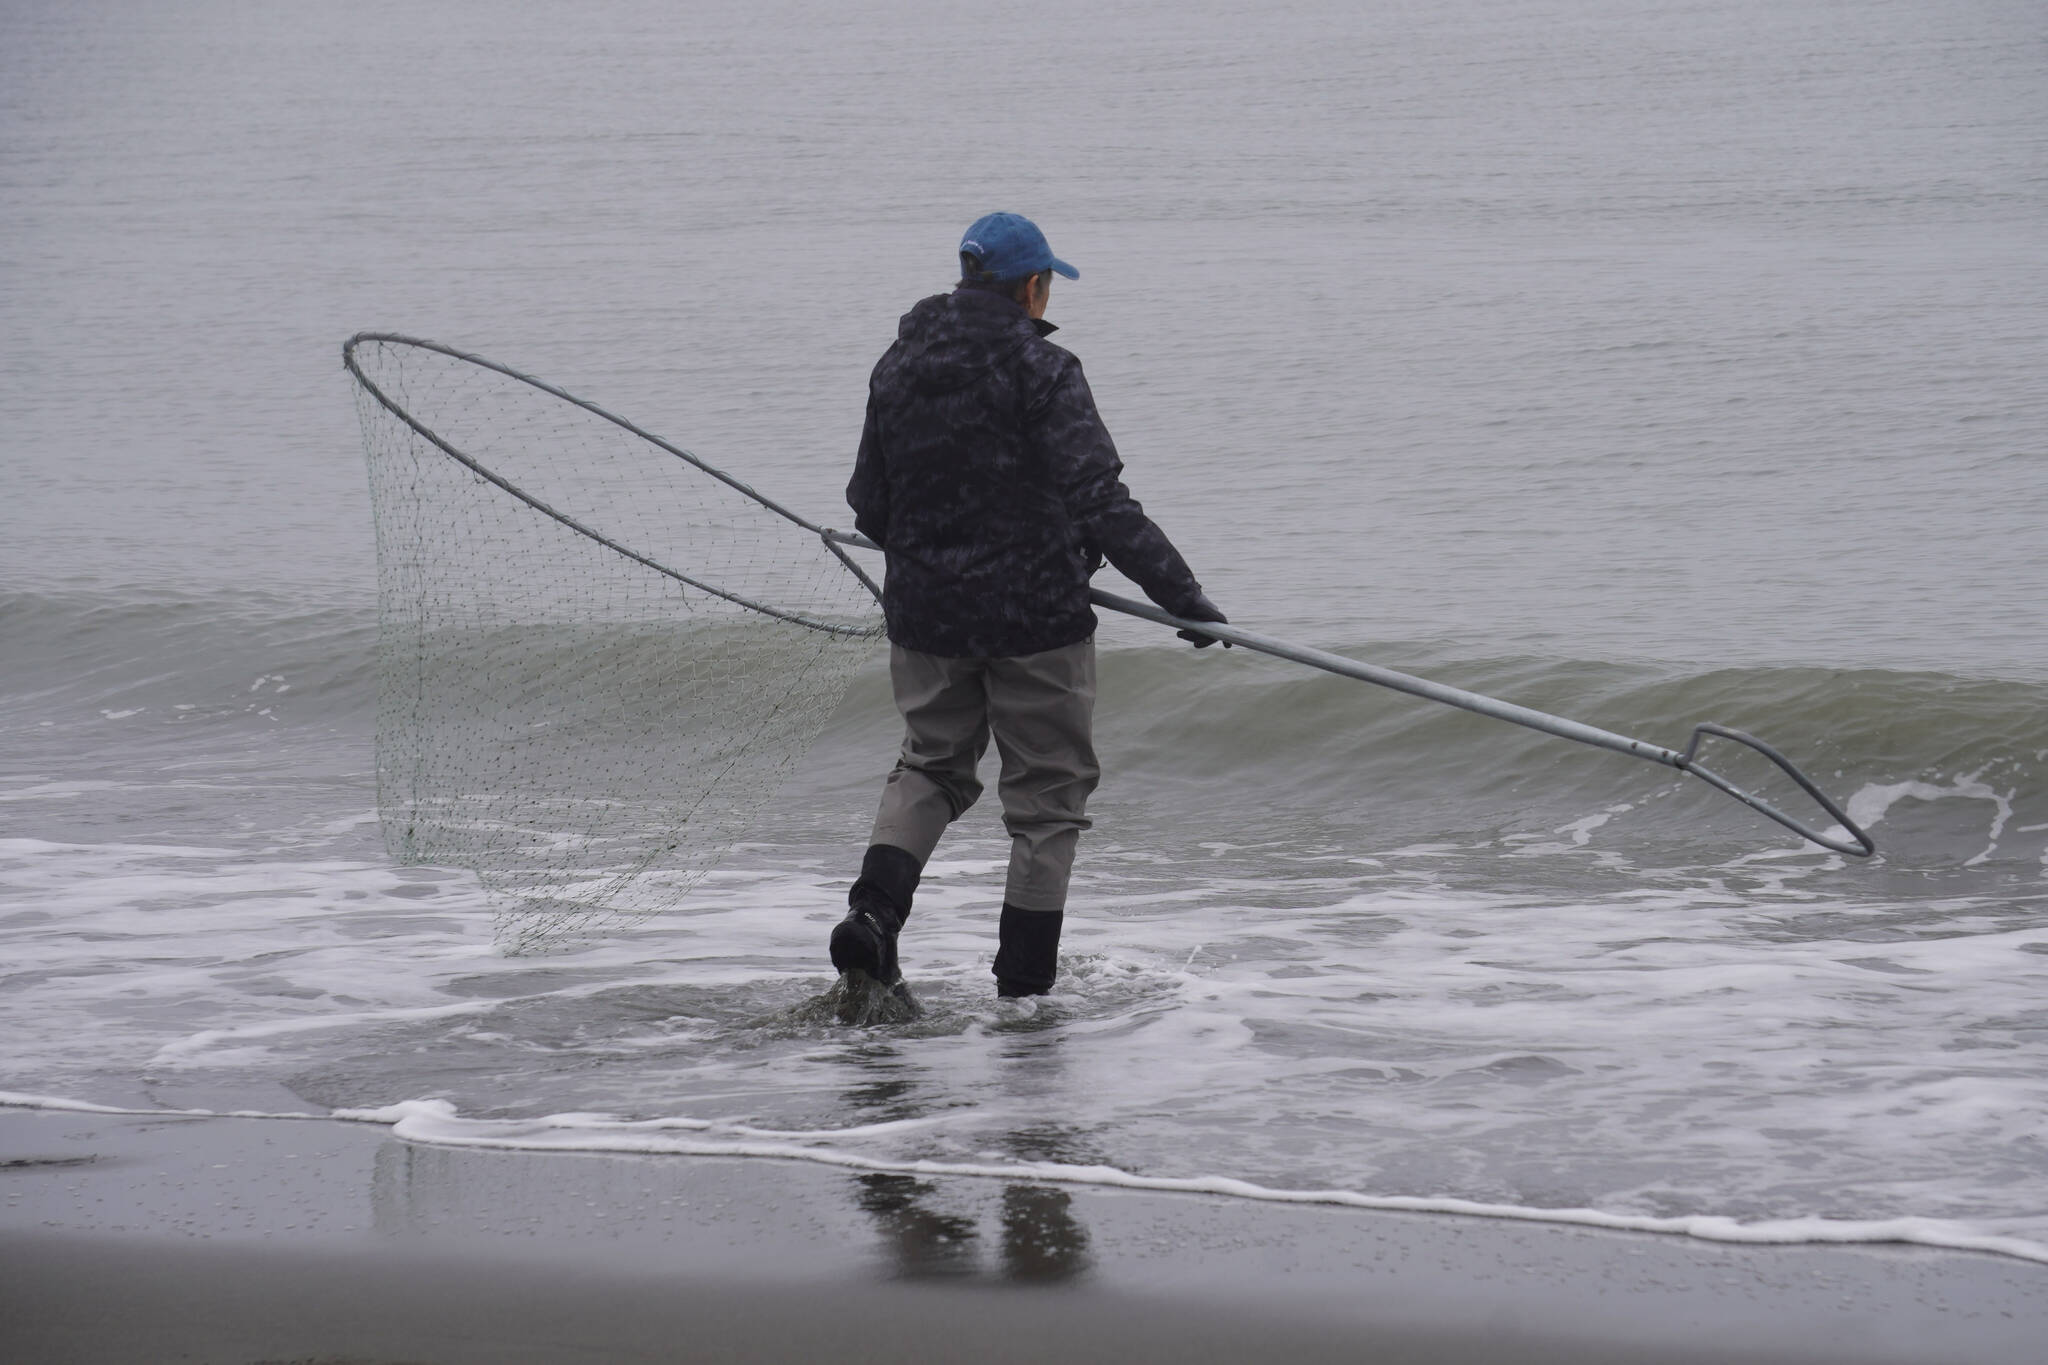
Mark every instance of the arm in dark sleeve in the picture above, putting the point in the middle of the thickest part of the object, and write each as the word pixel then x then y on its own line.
pixel 868 491
pixel 1089 475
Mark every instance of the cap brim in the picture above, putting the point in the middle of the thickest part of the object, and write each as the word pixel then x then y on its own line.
pixel 1062 268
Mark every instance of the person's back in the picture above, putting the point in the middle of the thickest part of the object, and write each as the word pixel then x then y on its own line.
pixel 988 479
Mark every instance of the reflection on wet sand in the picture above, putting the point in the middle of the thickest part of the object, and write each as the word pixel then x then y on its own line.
pixel 934 1231
pixel 1041 1243
pixel 922 1242
pixel 1041 1240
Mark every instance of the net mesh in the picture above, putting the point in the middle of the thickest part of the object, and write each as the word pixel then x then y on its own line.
pixel 571 701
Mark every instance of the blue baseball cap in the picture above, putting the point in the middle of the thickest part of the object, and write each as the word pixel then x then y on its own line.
pixel 1009 246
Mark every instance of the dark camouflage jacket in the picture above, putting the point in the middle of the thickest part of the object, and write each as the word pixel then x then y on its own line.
pixel 988 478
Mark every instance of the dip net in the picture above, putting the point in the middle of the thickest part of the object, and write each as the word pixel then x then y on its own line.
pixel 597 656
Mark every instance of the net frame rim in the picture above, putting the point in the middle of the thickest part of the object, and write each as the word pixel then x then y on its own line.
pixel 825 535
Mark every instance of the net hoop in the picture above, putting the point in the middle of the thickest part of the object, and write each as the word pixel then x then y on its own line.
pixel 348 359
pixel 599 658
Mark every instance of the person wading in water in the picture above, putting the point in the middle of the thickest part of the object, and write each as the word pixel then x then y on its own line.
pixel 989 481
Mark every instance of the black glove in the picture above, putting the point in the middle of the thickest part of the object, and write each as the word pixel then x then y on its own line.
pixel 1203 610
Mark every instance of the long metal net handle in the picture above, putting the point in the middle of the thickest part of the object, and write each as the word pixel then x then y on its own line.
pixel 1859 844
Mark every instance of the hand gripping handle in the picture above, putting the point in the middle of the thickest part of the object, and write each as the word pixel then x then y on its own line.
pixel 1863 846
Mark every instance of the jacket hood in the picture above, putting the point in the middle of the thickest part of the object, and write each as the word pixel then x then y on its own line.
pixel 948 341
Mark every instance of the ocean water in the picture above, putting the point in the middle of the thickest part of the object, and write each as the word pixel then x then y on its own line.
pixel 1645 363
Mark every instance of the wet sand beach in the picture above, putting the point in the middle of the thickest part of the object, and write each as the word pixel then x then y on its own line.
pixel 243 1240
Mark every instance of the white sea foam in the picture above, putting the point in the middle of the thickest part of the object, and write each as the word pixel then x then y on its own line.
pixel 1677 1057
pixel 1873 801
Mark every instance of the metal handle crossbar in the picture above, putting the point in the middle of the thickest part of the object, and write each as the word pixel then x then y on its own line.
pixel 1858 845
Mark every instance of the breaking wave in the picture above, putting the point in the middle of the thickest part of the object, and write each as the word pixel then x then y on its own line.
pixel 1943 766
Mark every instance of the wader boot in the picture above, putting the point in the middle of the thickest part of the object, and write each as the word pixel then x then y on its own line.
pixel 879 904
pixel 1028 957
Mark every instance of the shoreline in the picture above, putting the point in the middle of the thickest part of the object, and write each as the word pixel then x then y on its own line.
pixel 434 1123
pixel 240 1240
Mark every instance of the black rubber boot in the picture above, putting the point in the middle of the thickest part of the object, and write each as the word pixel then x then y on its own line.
pixel 1028 955
pixel 879 904
pixel 865 941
